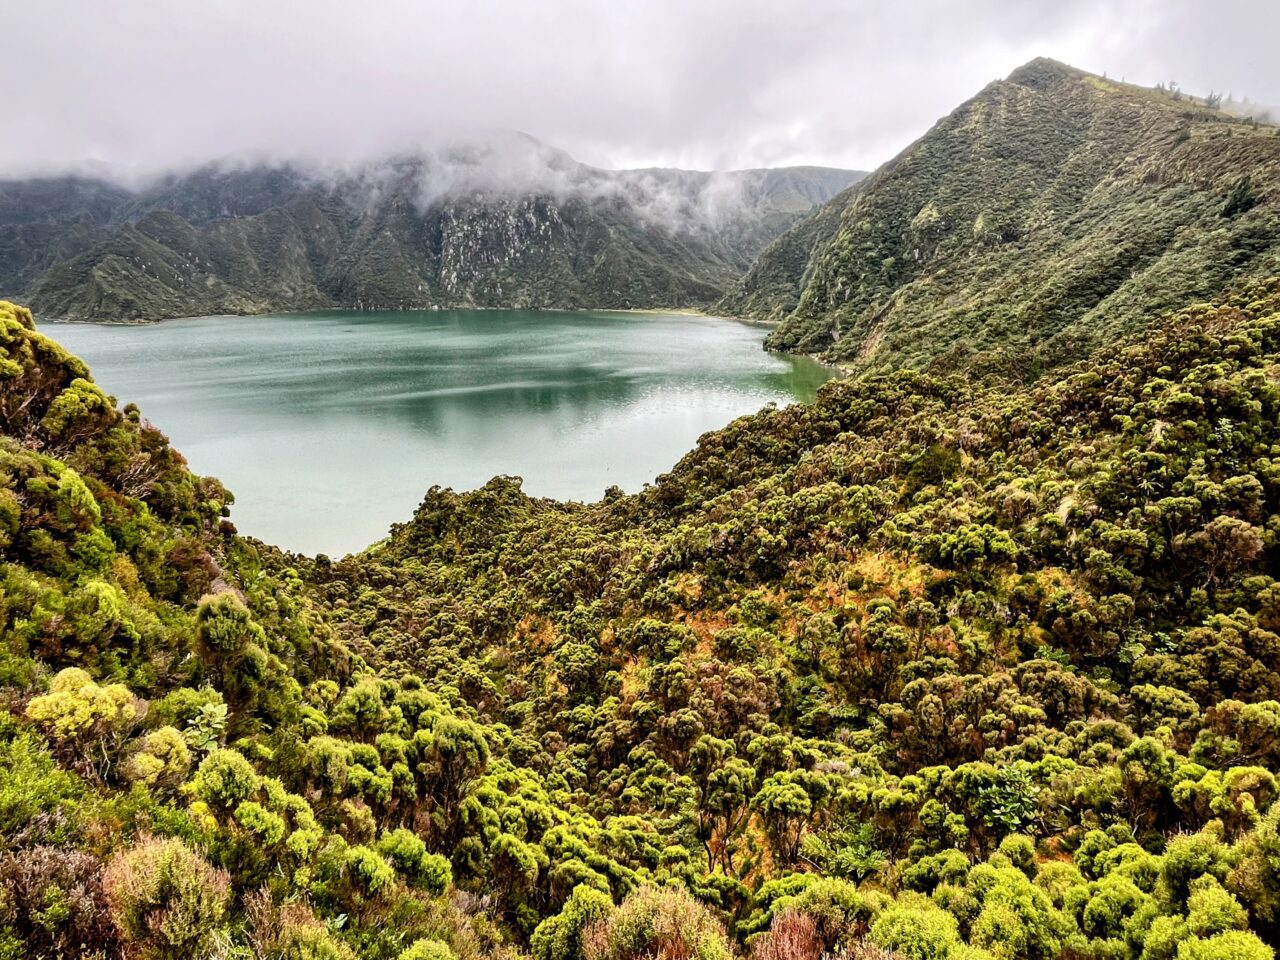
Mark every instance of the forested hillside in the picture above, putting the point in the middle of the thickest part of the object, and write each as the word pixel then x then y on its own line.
pixel 928 669
pixel 512 223
pixel 1050 213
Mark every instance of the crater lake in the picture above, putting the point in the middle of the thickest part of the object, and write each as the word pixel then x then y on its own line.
pixel 329 427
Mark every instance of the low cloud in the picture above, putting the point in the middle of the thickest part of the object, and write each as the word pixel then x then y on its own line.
pixel 143 86
pixel 506 165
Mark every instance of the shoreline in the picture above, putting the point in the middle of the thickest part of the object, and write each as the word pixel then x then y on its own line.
pixel 652 311
pixel 838 371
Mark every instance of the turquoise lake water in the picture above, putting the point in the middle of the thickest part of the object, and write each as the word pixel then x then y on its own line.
pixel 329 427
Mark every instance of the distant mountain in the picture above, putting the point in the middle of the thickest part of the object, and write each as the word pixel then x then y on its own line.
pixel 1054 210
pixel 509 222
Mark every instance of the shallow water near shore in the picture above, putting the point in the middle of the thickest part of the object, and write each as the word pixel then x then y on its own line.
pixel 329 427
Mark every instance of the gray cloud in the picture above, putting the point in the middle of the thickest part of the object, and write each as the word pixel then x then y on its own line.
pixel 511 166
pixel 144 85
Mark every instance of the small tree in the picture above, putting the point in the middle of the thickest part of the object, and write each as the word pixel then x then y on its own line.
pixel 784 809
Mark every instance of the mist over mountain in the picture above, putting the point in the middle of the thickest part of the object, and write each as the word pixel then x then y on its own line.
pixel 497 221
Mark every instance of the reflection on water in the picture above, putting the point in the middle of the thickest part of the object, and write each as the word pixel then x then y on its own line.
pixel 330 426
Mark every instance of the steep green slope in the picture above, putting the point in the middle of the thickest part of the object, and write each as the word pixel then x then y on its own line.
pixel 518 225
pixel 928 669
pixel 1049 213
pixel 50 221
pixel 771 288
pixel 163 266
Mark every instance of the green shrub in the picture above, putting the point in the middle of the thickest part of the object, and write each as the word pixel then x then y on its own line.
pixel 32 786
pixel 407 852
pixel 427 950
pixel 370 872
pixel 1212 910
pixel 1021 851
pixel 1233 945
pixel 78 714
pixel 224 779
pixel 560 937
pixel 160 759
pixel 917 933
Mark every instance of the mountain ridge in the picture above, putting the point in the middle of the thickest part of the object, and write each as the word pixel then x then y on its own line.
pixel 1089 198
pixel 512 224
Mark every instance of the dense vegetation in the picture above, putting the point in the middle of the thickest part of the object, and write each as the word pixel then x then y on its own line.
pixel 927 669
pixel 1050 213
pixel 940 667
pixel 529 228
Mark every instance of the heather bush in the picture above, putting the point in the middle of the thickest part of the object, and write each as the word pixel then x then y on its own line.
pixel 167 901
pixel 654 921
pixel 792 936
pixel 289 931
pixel 52 901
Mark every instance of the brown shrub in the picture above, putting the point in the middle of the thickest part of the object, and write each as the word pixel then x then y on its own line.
pixel 288 931
pixel 53 901
pixel 166 900
pixel 792 936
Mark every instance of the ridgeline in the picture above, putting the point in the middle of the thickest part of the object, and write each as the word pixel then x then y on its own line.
pixel 514 224
pixel 1051 213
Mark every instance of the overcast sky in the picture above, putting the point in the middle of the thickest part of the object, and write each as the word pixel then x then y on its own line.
pixel 157 84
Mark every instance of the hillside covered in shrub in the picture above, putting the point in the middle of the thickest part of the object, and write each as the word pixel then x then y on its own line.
pixel 1050 213
pixel 929 669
